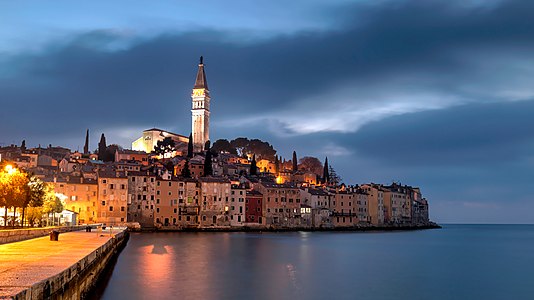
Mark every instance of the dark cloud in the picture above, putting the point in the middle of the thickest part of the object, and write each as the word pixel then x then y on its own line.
pixel 411 90
pixel 479 134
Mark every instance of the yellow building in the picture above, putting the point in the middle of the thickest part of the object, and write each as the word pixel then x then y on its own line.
pixel 166 205
pixel 112 197
pixel 188 203
pixel 80 195
pixel 214 206
pixel 266 166
pixel 151 137
pixel 375 198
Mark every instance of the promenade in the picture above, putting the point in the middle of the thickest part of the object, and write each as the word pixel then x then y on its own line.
pixel 25 263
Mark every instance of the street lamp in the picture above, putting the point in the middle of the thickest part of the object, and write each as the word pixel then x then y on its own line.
pixel 9 169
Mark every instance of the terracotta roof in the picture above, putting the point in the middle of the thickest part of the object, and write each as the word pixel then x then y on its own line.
pixel 108 174
pixel 214 179
pixel 254 193
pixel 317 192
pixel 278 186
pixel 128 151
pixel 161 130
pixel 141 173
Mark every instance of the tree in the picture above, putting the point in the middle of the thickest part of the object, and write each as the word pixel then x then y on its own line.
pixel 223 145
pixel 326 174
pixel 190 146
pixel 263 150
pixel 35 190
pixel 51 203
pixel 294 161
pixel 208 168
pixel 240 144
pixel 169 166
pixel 253 167
pixel 185 171
pixel 86 145
pixel 276 165
pixel 5 190
pixel 13 190
pixel 207 145
pixel 23 145
pixel 34 214
pixel 102 148
pixel 335 179
pixel 110 152
pixel 311 164
pixel 245 147
pixel 164 147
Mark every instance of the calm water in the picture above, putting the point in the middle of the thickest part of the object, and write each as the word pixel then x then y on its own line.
pixel 456 262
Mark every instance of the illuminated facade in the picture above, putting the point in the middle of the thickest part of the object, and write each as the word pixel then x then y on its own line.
pixel 80 195
pixel 200 110
pixel 141 196
pixel 112 194
pixel 214 195
pixel 151 137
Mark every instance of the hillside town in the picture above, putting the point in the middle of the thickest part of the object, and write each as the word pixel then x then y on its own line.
pixel 169 181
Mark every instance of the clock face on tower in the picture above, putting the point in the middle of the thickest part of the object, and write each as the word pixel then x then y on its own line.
pixel 198 92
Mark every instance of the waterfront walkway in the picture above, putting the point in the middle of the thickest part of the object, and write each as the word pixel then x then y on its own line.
pixel 25 263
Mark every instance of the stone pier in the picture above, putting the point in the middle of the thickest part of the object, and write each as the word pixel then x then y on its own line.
pixel 64 269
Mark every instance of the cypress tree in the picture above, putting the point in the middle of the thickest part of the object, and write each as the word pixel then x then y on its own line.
pixel 190 146
pixel 208 169
pixel 295 165
pixel 326 175
pixel 23 145
pixel 185 171
pixel 86 146
pixel 102 148
pixel 253 167
pixel 276 165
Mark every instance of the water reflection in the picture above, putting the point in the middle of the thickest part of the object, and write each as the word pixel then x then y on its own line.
pixel 400 265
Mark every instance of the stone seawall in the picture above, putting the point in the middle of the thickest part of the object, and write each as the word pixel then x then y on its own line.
pixel 17 235
pixel 77 281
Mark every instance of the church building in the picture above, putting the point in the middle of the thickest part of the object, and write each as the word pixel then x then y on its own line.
pixel 200 120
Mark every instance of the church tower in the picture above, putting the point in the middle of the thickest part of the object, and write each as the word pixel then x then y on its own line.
pixel 200 110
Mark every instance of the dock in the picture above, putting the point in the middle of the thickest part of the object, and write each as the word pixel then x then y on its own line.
pixel 31 267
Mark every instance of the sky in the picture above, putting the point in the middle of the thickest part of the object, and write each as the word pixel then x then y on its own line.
pixel 435 94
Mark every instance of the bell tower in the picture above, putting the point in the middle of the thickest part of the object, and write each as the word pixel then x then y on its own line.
pixel 200 110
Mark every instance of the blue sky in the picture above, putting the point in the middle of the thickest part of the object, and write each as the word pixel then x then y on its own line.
pixel 436 94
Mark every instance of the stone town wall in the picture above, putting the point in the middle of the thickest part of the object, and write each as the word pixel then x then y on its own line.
pixel 17 235
pixel 80 279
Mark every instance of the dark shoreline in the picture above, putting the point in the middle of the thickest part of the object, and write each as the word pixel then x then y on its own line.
pixel 337 229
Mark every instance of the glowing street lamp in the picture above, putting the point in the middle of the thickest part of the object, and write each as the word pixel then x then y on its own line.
pixel 9 169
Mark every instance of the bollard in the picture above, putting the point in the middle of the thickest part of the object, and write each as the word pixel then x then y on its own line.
pixel 54 235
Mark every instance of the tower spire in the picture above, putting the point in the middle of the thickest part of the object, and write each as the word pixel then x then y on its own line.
pixel 201 82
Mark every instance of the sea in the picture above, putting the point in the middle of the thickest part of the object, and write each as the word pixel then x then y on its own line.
pixel 454 262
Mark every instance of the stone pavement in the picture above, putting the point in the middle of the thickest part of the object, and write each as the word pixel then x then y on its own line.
pixel 25 263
